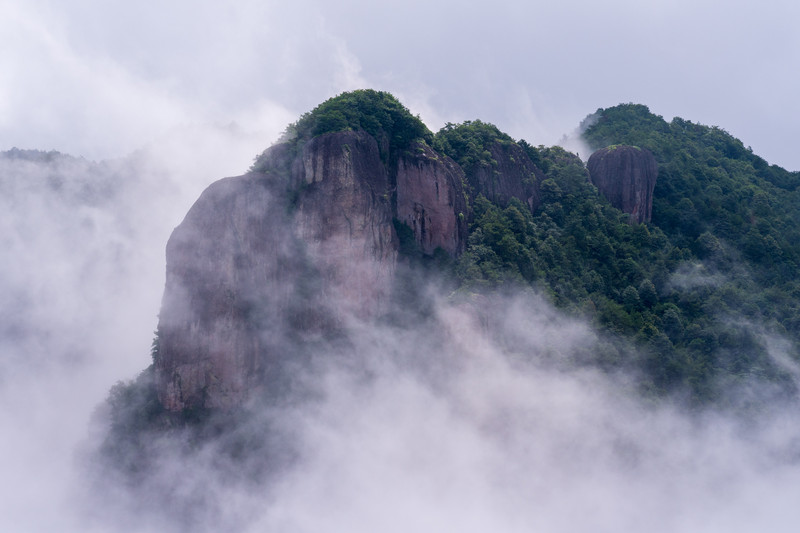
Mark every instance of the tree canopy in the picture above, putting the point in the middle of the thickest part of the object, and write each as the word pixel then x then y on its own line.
pixel 376 112
pixel 700 290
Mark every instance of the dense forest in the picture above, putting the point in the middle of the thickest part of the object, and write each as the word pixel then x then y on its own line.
pixel 701 290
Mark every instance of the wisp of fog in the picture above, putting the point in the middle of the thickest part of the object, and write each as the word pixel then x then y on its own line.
pixel 479 416
pixel 450 425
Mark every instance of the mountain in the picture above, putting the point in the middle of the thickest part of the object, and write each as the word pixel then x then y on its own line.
pixel 733 220
pixel 294 247
pixel 677 244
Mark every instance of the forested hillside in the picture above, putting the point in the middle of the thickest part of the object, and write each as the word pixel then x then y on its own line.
pixel 704 290
pixel 702 298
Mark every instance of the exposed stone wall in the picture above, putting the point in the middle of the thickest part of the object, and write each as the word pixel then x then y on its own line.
pixel 626 176
pixel 511 175
pixel 294 249
pixel 224 261
pixel 344 218
pixel 430 200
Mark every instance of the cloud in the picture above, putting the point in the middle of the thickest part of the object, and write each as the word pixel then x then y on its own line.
pixel 51 89
pixel 80 287
pixel 695 275
pixel 101 81
pixel 97 78
pixel 477 420
pixel 449 424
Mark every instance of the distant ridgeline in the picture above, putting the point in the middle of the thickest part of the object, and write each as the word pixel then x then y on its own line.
pixel 676 238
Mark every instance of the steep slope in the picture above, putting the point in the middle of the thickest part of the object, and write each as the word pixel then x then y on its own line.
pixel 626 175
pixel 429 192
pixel 267 264
pixel 230 281
pixel 494 165
pixel 289 251
pixel 733 222
pixel 344 218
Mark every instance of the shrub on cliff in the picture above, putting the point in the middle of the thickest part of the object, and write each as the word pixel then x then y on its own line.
pixel 468 143
pixel 376 112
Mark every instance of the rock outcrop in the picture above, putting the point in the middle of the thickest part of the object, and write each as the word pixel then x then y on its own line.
pixel 344 218
pixel 626 176
pixel 229 270
pixel 511 174
pixel 265 260
pixel 431 200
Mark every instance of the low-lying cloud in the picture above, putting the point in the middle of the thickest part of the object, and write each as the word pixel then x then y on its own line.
pixel 476 423
pixel 497 419
pixel 80 284
pixel 492 420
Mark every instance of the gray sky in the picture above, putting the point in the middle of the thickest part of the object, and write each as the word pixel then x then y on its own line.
pixel 101 79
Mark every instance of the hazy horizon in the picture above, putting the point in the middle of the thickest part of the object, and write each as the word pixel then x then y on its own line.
pixel 101 80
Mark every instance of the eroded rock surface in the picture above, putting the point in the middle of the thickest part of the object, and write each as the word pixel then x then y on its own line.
pixel 230 270
pixel 265 260
pixel 344 218
pixel 626 176
pixel 431 201
pixel 511 175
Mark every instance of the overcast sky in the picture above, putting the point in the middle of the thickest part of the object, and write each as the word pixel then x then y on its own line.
pixel 103 78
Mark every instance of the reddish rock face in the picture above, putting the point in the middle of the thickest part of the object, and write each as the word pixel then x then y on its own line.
pixel 513 176
pixel 430 200
pixel 344 219
pixel 228 258
pixel 626 176
pixel 292 251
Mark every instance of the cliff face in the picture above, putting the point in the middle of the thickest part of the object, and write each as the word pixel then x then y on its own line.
pixel 344 218
pixel 431 201
pixel 511 175
pixel 228 276
pixel 626 176
pixel 296 248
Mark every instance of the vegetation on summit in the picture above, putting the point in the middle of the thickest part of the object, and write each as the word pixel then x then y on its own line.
pixel 700 290
pixel 467 143
pixel 378 113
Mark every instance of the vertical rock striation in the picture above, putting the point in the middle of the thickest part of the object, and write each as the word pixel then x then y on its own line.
pixel 265 260
pixel 431 201
pixel 344 218
pixel 512 174
pixel 626 176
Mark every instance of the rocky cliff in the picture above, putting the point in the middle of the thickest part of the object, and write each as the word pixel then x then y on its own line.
pixel 266 264
pixel 292 250
pixel 429 193
pixel 511 174
pixel 626 176
pixel 344 218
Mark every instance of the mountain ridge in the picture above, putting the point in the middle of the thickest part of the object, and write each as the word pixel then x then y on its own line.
pixel 679 288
